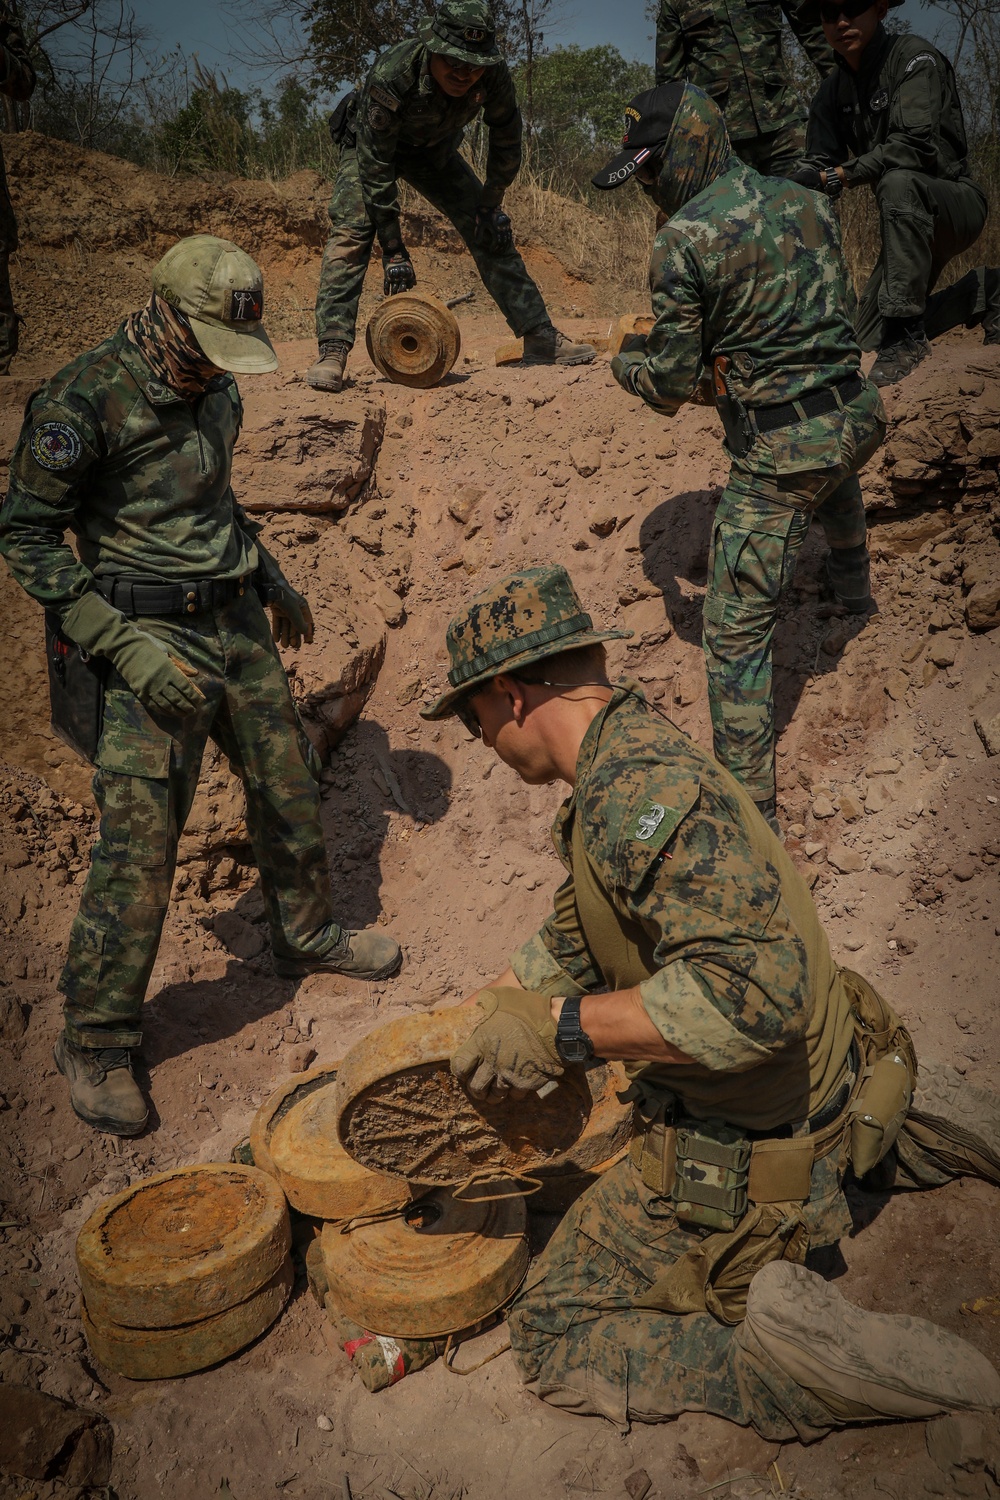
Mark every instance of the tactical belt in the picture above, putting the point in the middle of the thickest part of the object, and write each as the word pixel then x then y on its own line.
pixel 816 404
pixel 152 596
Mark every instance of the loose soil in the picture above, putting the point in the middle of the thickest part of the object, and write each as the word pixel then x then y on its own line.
pixel 887 790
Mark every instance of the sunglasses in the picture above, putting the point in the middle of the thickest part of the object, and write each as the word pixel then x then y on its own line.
pixel 467 715
pixel 830 14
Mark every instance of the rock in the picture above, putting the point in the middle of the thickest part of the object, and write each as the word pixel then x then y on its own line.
pixel 324 1423
pixel 963 1442
pixel 896 684
pixel 409 691
pixel 905 941
pixel 913 648
pixel 878 798
pixel 389 605
pixel 812 849
pixel 638 1484
pixel 603 519
pixel 928 674
pixel 982 607
pixel 848 861
pixel 965 867
pixel 885 766
pixel 463 503
pixel 300 1057
pixel 943 653
pixel 648 618
pixel 67 1380
pixel 851 806
pixel 689 689
pixel 12 1020
pixel 988 731
pixel 241 937
pixel 313 455
pixel 823 808
pixel 888 864
pixel 585 458
pixel 44 1438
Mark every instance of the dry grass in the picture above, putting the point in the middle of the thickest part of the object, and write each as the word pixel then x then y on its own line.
pixel 608 247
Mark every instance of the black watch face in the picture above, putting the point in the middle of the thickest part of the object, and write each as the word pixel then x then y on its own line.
pixel 574 1049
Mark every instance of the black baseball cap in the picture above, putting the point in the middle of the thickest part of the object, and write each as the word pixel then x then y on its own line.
pixel 649 118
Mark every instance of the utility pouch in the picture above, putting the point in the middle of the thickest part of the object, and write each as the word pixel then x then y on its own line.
pixel 879 1111
pixel 740 436
pixel 710 1175
pixel 76 690
pixel 340 122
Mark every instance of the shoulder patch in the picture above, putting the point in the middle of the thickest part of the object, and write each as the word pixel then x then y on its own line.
pixel 383 97
pixel 879 100
pixel 378 117
pixel 55 446
pixel 645 820
pixel 920 57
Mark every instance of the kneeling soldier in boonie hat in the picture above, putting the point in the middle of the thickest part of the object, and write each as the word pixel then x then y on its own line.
pixel 131 447
pixel 684 942
pixel 407 124
pixel 750 296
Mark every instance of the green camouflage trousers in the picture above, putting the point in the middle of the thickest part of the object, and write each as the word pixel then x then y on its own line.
pixel 776 153
pixel 761 522
pixel 925 223
pixel 582 1345
pixel 448 182
pixel 147 772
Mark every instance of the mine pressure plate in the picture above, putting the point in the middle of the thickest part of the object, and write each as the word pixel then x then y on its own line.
pixel 438 1266
pixel 400 1110
pixel 413 339
pixel 182 1246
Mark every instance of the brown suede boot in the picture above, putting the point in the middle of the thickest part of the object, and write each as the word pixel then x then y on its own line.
pixel 102 1091
pixel 327 374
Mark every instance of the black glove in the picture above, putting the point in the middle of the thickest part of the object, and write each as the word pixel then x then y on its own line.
pixel 812 177
pixel 494 231
pixel 398 272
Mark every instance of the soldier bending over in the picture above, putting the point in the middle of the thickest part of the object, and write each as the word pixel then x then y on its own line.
pixel 684 942
pixel 408 124
pixel 131 448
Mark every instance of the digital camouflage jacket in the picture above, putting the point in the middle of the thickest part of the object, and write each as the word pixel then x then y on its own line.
pixel 676 884
pixel 402 112
pixel 901 110
pixel 746 266
pixel 139 477
pixel 732 50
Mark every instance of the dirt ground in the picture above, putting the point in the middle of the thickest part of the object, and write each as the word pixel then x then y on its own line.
pixel 888 793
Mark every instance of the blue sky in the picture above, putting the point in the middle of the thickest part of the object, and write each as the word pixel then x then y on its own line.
pixel 203 27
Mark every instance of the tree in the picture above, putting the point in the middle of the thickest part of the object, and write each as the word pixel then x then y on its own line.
pixel 579 95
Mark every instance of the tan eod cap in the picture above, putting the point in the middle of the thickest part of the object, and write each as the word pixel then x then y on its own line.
pixel 220 290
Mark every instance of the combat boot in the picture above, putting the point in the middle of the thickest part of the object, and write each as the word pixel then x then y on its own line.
pixel 848 578
pixel 327 374
pixel 370 954
pixel 860 1366
pixel 991 316
pixel 904 345
pixel 547 346
pixel 102 1089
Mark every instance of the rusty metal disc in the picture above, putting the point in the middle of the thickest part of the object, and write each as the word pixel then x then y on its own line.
pixel 315 1172
pixel 400 1111
pixel 437 1267
pixel 182 1246
pixel 276 1106
pixel 159 1353
pixel 604 1141
pixel 413 339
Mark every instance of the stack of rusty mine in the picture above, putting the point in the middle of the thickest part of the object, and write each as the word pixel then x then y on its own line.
pixel 414 1197
pixel 184 1269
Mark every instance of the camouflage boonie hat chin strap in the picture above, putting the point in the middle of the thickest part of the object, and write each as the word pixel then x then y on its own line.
pixel 526 616
pixel 464 30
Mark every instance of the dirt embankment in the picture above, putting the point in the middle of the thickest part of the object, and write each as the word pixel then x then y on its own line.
pixel 389 507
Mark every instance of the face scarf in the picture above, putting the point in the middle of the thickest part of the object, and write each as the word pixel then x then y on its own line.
pixel 696 153
pixel 166 341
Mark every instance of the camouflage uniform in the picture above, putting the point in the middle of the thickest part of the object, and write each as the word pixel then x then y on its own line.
pixel 897 125
pixel 751 268
pixel 405 128
pixel 707 914
pixel 17 81
pixel 142 478
pixel 732 50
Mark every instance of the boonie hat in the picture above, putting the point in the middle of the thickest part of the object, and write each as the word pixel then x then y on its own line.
pixel 649 118
pixel 220 290
pixel 526 616
pixel 465 30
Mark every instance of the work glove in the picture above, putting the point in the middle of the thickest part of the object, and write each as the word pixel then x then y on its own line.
pixel 512 1047
pixel 291 617
pixel 812 177
pixel 162 683
pixel 494 231
pixel 625 369
pixel 398 272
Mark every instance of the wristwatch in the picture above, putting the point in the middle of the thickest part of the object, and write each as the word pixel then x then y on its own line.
pixel 572 1042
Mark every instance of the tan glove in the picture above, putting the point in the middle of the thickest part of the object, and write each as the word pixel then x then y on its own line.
pixel 512 1047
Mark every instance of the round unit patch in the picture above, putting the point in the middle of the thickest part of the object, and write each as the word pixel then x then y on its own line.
pixel 55 445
